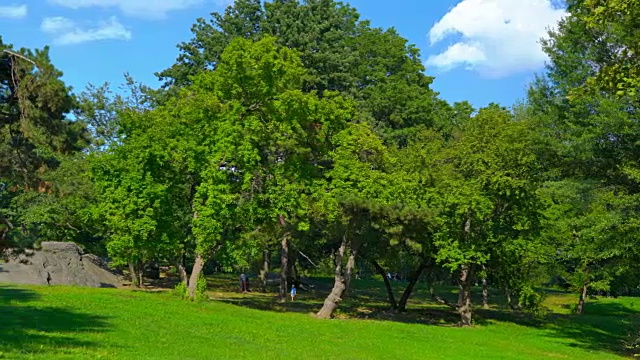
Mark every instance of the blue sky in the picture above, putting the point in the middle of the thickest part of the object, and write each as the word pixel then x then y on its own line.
pixel 478 50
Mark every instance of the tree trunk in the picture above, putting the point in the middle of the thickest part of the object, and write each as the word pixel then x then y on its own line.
pixel 464 297
pixel 140 273
pixel 387 284
pixel 264 272
pixel 296 276
pixel 284 267
pixel 583 296
pixel 4 235
pixel 293 276
pixel 182 270
pixel 402 306
pixel 485 294
pixel 133 274
pixel 339 285
pixel 351 264
pixel 460 294
pixel 507 294
pixel 195 274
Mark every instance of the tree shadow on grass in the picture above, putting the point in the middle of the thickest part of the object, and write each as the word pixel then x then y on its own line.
pixel 593 332
pixel 271 302
pixel 605 326
pixel 362 307
pixel 29 329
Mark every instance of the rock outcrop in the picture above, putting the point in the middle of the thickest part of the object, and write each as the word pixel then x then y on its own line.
pixel 57 263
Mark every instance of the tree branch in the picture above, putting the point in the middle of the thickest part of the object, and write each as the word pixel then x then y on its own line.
pixel 442 301
pixel 20 56
pixel 6 221
pixel 306 257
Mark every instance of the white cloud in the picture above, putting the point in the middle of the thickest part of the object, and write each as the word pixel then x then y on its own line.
pixel 498 37
pixel 67 31
pixel 13 12
pixel 139 8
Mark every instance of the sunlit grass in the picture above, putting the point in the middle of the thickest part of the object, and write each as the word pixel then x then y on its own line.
pixel 83 323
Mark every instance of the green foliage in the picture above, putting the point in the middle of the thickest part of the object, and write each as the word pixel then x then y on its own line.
pixel 181 290
pixel 66 211
pixel 269 139
pixel 488 193
pixel 589 235
pixel 201 289
pixel 340 53
pixel 234 151
pixel 34 105
pixel 101 109
pixel 619 20
pixel 139 202
pixel 586 105
pixel 36 137
pixel 532 301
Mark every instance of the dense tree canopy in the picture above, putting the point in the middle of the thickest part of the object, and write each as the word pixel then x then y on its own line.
pixel 35 132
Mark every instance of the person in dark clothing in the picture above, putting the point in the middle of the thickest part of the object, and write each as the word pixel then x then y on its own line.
pixel 244 287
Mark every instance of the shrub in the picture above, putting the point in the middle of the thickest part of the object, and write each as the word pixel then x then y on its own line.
pixel 181 290
pixel 201 289
pixel 531 301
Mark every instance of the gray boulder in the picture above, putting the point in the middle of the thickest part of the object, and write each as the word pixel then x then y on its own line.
pixel 57 263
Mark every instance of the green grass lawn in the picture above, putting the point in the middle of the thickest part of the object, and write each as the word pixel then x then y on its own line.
pixel 82 323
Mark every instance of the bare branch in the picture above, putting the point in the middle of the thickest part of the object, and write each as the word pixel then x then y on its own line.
pixel 442 301
pixel 306 257
pixel 20 56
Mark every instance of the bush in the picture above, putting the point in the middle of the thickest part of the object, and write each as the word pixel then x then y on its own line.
pixel 182 291
pixel 201 289
pixel 531 301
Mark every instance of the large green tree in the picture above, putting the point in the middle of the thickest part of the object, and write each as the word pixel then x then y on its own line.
pixel 34 128
pixel 355 188
pixel 586 103
pixel 487 195
pixel 340 52
pixel 241 147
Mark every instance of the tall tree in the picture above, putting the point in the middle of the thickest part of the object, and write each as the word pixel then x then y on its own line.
pixel 356 183
pixel 140 196
pixel 588 102
pixel 340 52
pixel 587 225
pixel 35 131
pixel 240 146
pixel 488 195
pixel 318 29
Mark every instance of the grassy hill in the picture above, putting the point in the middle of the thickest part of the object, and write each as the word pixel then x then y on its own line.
pixel 85 323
